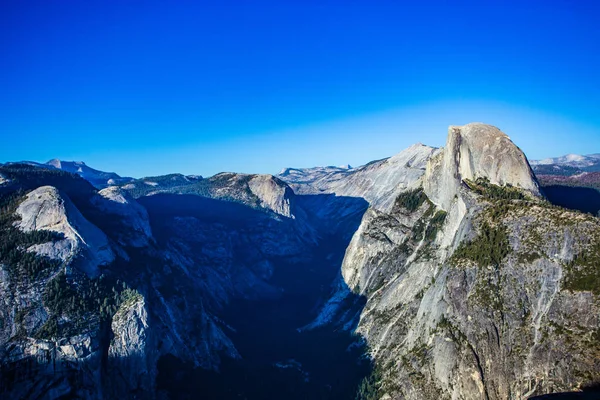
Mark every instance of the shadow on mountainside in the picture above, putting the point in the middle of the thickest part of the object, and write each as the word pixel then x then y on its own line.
pixel 583 199
pixel 278 360
pixel 589 392
pixel 585 395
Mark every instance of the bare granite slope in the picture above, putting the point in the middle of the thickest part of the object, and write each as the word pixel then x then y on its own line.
pixel 476 151
pixel 46 209
pixel 476 287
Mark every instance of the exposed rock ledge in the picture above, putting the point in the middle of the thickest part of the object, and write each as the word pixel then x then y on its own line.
pixel 114 200
pixel 46 208
pixel 273 194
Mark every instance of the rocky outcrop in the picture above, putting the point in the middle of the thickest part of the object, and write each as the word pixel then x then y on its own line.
pixel 273 194
pixel 132 353
pixel 47 369
pixel 265 192
pixel 47 209
pixel 117 203
pixel 470 283
pixel 476 151
pixel 259 191
pixel 471 330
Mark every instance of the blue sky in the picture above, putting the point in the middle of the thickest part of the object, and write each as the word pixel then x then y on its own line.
pixel 149 87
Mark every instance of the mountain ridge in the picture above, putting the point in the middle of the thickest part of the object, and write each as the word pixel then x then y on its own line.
pixel 435 273
pixel 579 163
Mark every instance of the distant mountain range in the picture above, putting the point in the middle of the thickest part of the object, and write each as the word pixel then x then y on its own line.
pixel 99 179
pixel 567 165
pixel 569 170
pixel 570 164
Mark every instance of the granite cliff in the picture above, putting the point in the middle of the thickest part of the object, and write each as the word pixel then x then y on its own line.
pixel 476 286
pixel 435 273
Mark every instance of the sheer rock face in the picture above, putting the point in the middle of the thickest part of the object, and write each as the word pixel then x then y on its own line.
pixel 444 328
pixel 132 354
pixel 476 151
pixel 273 194
pixel 258 191
pixel 474 331
pixel 47 209
pixel 120 206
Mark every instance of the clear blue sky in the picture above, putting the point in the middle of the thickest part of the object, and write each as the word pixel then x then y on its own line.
pixel 148 87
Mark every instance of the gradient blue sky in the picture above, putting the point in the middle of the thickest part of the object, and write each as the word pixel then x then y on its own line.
pixel 198 87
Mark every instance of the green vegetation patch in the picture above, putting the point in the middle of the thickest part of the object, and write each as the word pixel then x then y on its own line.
pixel 487 293
pixel 583 273
pixel 410 200
pixel 483 187
pixel 435 225
pixel 369 387
pixel 421 225
pixel 49 330
pixel 490 247
pixel 528 257
pixel 81 300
